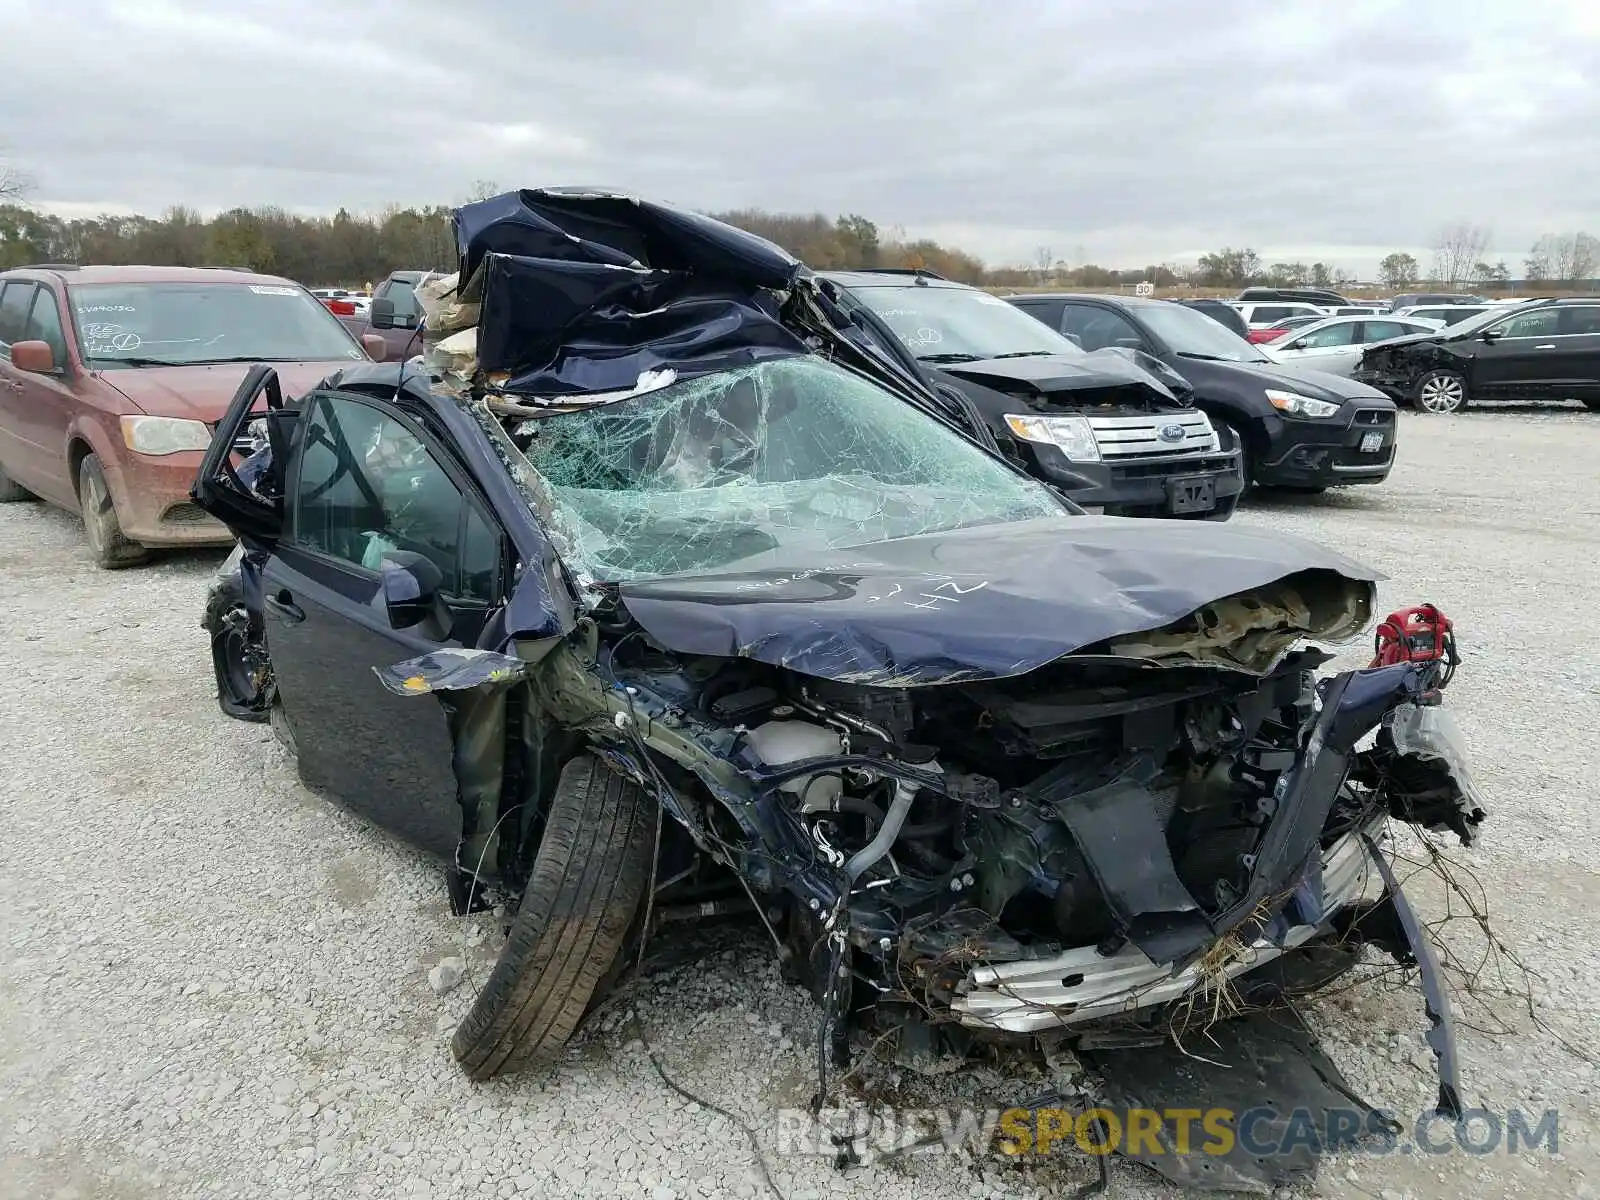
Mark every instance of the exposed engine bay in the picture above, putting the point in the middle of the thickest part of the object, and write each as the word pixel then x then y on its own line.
pixel 1020 853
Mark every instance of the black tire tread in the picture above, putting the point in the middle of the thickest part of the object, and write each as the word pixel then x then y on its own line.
pixel 119 552
pixel 224 597
pixel 586 884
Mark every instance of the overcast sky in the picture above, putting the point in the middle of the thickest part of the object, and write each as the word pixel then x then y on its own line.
pixel 1122 133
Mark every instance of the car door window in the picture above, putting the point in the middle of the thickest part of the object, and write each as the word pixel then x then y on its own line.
pixel 15 302
pixel 1377 331
pixel 367 484
pixel 1580 319
pixel 44 324
pixel 1096 328
pixel 1542 322
pixel 1332 335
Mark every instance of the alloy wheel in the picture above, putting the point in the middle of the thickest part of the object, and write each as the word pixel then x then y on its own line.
pixel 1441 394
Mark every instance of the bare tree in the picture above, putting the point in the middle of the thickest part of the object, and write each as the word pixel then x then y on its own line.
pixel 482 189
pixel 1568 257
pixel 14 182
pixel 1398 270
pixel 1456 250
pixel 1044 263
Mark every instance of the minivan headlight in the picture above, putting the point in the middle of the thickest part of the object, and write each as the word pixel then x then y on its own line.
pixel 1297 405
pixel 1072 435
pixel 164 435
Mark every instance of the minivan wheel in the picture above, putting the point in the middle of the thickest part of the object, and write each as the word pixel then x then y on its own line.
pixel 590 873
pixel 10 490
pixel 1442 392
pixel 110 548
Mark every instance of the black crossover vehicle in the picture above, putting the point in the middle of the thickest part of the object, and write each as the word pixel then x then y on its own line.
pixel 1114 430
pixel 1302 430
pixel 652 595
pixel 1539 350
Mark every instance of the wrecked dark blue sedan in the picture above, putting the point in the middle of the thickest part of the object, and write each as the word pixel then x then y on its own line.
pixel 648 585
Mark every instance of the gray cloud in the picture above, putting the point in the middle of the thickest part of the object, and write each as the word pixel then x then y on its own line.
pixel 1140 131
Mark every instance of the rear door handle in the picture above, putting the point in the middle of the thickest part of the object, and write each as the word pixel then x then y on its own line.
pixel 1546 346
pixel 283 605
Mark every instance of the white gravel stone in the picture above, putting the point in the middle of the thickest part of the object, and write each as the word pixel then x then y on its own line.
pixel 150 845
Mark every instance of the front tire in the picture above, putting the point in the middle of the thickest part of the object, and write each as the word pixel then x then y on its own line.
pixel 110 548
pixel 238 655
pixel 588 878
pixel 1442 392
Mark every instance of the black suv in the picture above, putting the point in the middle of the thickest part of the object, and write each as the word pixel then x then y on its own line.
pixel 1302 430
pixel 1539 350
pixel 1113 430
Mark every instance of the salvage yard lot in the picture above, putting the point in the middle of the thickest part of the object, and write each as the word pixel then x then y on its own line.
pixel 212 983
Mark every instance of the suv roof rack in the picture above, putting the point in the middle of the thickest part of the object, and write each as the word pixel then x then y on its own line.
pixel 48 267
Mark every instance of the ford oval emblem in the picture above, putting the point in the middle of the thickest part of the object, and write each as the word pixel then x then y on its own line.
pixel 1171 433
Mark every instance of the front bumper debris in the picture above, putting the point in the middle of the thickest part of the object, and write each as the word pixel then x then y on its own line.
pixel 1083 985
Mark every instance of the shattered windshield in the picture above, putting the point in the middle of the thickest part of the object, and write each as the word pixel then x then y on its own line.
pixel 183 324
pixel 766 462
pixel 948 324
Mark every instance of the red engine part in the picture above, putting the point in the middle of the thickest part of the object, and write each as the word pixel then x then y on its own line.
pixel 1418 634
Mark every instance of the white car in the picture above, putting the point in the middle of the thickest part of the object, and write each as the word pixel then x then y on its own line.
pixel 1266 314
pixel 1336 345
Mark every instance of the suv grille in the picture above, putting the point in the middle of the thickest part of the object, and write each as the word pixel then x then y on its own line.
pixel 1124 438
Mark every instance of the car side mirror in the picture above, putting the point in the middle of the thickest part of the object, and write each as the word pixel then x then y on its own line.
pixel 1490 336
pixel 35 356
pixel 411 584
pixel 1075 339
pixel 374 345
pixel 383 316
pixel 1128 343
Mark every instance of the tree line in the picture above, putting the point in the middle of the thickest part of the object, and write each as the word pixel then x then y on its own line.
pixel 348 249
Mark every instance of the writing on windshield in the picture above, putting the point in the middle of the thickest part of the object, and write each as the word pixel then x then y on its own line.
pixel 144 324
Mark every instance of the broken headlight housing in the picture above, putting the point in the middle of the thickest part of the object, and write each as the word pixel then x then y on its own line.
pixel 1073 436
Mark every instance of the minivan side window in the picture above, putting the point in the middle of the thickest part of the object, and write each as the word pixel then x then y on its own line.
pixel 15 301
pixel 367 485
pixel 44 324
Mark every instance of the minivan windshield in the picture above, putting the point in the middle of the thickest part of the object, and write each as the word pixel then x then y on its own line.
pixel 958 324
pixel 1191 334
pixel 123 325
pixel 764 463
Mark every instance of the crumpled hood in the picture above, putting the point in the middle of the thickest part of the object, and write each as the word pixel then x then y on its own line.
pixel 1052 373
pixel 983 602
pixel 1410 339
pixel 201 393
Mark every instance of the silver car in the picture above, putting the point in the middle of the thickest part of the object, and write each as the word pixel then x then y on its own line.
pixel 1336 344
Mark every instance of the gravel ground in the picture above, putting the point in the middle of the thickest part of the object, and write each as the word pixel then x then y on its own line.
pixel 213 983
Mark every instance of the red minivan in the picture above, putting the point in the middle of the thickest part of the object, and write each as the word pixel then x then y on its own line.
pixel 113 378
